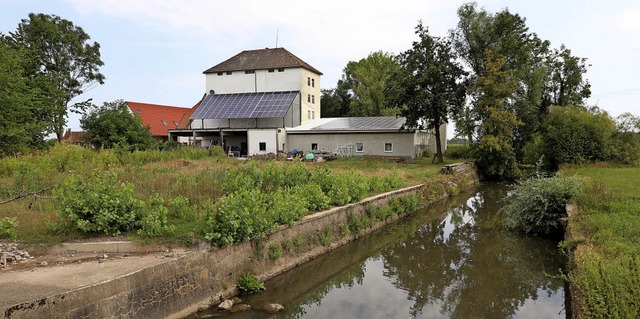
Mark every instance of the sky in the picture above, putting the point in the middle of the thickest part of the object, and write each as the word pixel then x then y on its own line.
pixel 154 51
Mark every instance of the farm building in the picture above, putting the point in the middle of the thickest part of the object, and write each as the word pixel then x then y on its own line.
pixel 268 100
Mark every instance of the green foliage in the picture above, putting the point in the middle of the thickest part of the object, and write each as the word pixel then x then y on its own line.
pixel 312 193
pixel 336 102
pixel 286 206
pixel 275 252
pixel 8 227
pixel 458 151
pixel 429 84
pixel 248 283
pixel 326 237
pixel 21 104
pixel 241 216
pixel 100 205
pixel 535 205
pixel 494 152
pixel 178 207
pixel 61 62
pixel 368 79
pixel 113 125
pixel 153 221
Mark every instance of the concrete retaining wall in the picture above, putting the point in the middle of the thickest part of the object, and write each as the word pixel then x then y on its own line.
pixel 178 287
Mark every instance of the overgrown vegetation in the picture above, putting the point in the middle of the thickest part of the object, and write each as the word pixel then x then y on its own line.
pixel 606 269
pixel 535 205
pixel 181 194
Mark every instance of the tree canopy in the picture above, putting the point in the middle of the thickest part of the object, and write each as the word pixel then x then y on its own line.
pixel 60 61
pixel 114 124
pixel 429 84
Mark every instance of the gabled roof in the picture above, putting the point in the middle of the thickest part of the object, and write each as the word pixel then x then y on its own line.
pixel 74 137
pixel 262 59
pixel 245 105
pixel 185 121
pixel 159 118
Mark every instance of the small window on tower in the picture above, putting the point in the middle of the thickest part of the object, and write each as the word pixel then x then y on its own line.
pixel 308 98
pixel 308 81
pixel 313 99
pixel 313 82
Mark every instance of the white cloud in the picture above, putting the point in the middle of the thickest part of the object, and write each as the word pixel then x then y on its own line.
pixel 628 20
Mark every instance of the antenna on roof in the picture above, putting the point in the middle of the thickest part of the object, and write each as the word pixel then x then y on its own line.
pixel 277 33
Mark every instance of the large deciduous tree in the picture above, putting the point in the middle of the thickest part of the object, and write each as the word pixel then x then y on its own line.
pixel 429 84
pixel 495 156
pixel 113 124
pixel 21 128
pixel 61 62
pixel 336 102
pixel 367 80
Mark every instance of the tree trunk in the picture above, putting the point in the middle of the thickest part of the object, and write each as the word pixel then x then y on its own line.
pixel 438 158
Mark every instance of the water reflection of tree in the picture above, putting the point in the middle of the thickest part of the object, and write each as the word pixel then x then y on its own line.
pixel 445 264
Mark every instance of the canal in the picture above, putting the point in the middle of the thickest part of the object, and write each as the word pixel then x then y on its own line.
pixel 453 260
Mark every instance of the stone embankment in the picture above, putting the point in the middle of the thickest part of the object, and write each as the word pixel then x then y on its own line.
pixel 173 287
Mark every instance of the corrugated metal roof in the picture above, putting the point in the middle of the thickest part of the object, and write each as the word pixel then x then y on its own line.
pixel 374 123
pixel 262 59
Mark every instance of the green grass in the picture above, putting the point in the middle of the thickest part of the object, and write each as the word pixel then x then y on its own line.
pixel 607 264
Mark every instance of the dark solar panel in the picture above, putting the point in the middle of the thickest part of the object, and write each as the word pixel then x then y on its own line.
pixel 245 105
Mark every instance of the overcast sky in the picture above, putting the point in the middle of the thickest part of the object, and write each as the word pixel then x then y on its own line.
pixel 156 50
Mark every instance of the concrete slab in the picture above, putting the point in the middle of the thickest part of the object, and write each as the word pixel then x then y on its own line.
pixel 107 247
pixel 34 284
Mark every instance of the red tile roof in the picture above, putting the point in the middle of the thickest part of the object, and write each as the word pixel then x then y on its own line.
pixel 260 60
pixel 160 118
pixel 74 137
pixel 184 122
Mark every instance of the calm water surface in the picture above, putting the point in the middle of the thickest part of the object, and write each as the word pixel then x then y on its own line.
pixel 454 260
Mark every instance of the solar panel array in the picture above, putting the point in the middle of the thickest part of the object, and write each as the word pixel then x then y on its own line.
pixel 363 123
pixel 245 105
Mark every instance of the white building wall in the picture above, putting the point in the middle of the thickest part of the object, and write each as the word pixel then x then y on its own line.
pixel 310 95
pixel 257 136
pixel 373 143
pixel 260 81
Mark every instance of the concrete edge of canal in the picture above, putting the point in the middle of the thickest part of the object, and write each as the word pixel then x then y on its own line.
pixel 179 286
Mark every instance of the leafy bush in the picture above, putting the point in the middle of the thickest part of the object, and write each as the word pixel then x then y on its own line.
pixel 315 198
pixel 392 181
pixel 358 187
pixel 248 283
pixel 8 227
pixel 458 151
pixel 241 216
pixel 101 204
pixel 535 205
pixel 274 252
pixel 286 206
pixel 153 222
pixel 178 207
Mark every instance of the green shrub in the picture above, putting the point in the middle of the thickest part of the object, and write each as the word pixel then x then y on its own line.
pixel 536 205
pixel 295 174
pixel 326 237
pixel 358 187
pixel 315 198
pixel 339 192
pixel 392 181
pixel 178 207
pixel 101 204
pixel 241 216
pixel 275 252
pixel 458 151
pixel 153 221
pixel 248 283
pixel 286 206
pixel 8 227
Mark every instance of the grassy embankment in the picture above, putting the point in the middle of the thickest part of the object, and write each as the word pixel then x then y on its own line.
pixel 190 182
pixel 606 272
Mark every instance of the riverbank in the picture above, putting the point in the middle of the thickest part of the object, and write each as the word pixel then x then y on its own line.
pixel 604 240
pixel 180 285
